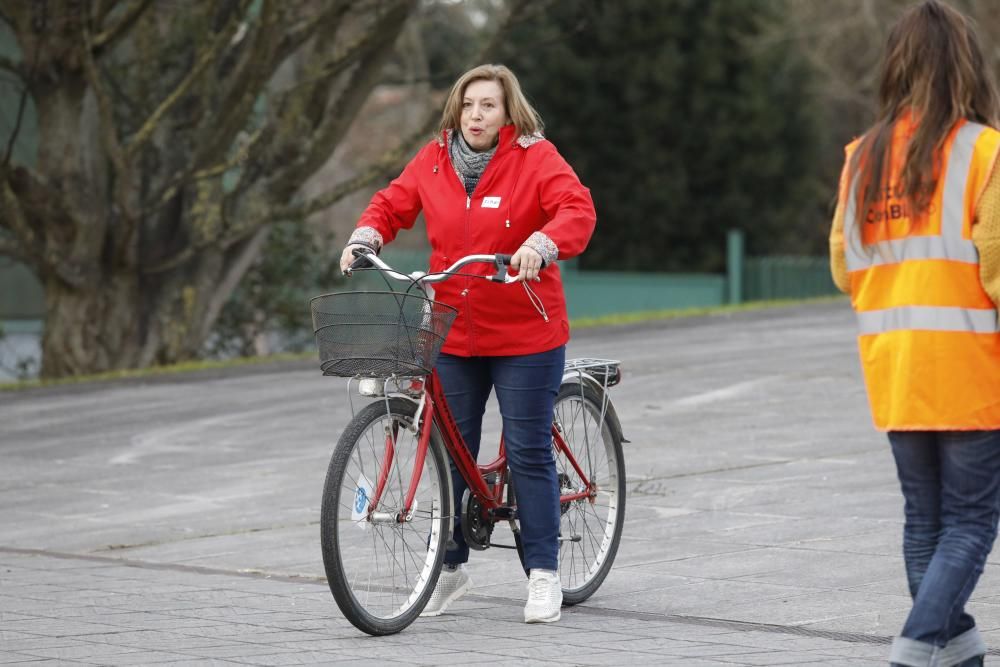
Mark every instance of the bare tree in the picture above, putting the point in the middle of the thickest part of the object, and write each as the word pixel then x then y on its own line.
pixel 844 40
pixel 171 136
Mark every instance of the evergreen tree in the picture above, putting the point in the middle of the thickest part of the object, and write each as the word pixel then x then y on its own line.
pixel 683 120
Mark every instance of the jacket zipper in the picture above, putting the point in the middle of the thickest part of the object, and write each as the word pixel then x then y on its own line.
pixel 468 249
pixel 468 281
pixel 468 241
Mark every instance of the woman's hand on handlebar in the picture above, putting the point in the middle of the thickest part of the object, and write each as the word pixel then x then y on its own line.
pixel 527 262
pixel 347 257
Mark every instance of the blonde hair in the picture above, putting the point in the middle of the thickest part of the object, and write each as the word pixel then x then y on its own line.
pixel 519 111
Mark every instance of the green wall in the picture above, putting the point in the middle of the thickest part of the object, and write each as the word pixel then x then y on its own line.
pixel 21 296
pixel 588 293
pixel 592 294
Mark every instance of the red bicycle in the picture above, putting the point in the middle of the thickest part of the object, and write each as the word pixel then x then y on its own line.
pixel 387 514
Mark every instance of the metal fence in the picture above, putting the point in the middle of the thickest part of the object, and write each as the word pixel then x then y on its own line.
pixel 786 277
pixel 598 293
pixel 588 293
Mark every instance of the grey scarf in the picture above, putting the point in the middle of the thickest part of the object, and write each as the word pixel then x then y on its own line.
pixel 469 164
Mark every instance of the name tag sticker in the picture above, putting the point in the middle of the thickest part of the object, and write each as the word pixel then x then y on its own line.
pixel 491 202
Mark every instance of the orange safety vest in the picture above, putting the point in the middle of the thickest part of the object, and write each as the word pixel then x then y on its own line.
pixel 929 337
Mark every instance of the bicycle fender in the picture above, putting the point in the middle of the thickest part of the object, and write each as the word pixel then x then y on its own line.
pixel 611 414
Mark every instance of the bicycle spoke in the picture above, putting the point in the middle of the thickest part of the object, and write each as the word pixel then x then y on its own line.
pixel 385 565
pixel 593 522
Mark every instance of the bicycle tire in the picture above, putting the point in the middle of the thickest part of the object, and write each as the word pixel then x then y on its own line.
pixel 351 542
pixel 583 568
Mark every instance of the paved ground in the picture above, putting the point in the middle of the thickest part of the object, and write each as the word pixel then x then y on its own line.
pixel 175 521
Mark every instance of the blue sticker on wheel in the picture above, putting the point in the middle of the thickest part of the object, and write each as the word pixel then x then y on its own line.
pixel 360 500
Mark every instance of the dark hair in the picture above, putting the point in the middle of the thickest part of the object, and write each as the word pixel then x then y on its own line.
pixel 933 67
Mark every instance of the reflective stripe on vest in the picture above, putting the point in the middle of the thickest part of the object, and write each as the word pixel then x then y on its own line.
pixel 928 318
pixel 949 244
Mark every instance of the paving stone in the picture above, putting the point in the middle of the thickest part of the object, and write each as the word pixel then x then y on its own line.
pixel 80 651
pixel 12 658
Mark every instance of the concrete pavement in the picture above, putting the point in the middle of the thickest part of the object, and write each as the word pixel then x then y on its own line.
pixel 175 521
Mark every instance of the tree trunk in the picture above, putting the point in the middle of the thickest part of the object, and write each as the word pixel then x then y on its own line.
pixel 127 323
pixel 90 331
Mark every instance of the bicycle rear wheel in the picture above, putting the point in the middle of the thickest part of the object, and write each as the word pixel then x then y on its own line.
pixel 382 571
pixel 590 528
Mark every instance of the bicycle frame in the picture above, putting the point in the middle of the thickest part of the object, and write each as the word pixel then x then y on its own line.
pixel 435 410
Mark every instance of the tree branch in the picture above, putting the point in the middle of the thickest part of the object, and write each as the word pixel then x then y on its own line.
pixel 106 38
pixel 202 62
pixel 246 82
pixel 240 101
pixel 25 245
pixel 27 76
pixel 327 20
pixel 9 247
pixel 100 9
pixel 17 129
pixel 120 160
pixel 14 219
pixel 16 12
pixel 516 14
pixel 235 271
pixel 392 161
pixel 28 208
pixel 337 65
pixel 389 163
pixel 264 49
pixel 13 66
pixel 304 209
pixel 369 54
pixel 221 128
pixel 109 135
pixel 193 175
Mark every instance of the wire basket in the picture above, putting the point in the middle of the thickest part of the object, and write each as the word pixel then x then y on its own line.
pixel 378 334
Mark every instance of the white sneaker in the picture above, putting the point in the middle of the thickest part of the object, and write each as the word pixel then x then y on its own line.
pixel 451 585
pixel 544 597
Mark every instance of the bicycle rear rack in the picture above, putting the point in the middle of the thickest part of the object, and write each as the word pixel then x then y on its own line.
pixel 607 372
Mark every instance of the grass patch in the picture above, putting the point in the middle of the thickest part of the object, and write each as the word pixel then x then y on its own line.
pixel 154 371
pixel 577 323
pixel 654 315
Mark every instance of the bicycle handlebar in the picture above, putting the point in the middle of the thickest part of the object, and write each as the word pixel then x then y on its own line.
pixel 366 259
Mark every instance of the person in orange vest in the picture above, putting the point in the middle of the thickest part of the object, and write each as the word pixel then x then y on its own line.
pixel 916 243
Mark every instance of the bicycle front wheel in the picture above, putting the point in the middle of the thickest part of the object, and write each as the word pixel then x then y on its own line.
pixel 590 528
pixel 381 565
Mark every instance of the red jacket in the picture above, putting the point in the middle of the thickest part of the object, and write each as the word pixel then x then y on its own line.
pixel 537 191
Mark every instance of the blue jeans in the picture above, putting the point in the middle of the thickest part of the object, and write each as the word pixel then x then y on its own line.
pixel 951 486
pixel 526 388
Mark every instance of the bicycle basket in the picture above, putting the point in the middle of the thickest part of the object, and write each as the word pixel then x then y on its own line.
pixel 378 334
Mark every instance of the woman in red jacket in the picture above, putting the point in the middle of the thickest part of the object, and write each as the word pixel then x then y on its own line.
pixel 491 183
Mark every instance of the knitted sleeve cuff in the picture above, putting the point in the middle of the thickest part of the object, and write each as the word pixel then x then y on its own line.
pixel 544 246
pixel 366 236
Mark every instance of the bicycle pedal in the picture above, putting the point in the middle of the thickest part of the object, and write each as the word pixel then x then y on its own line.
pixel 503 514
